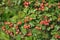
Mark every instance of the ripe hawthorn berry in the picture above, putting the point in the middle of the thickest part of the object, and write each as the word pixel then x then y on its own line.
pixel 16 27
pixel 11 34
pixel 17 32
pixel 19 23
pixel 41 7
pixel 46 4
pixel 58 3
pixel 7 23
pixel 41 4
pixel 3 28
pixel 45 22
pixel 30 19
pixel 52 26
pixel 38 28
pixel 59 7
pixel 6 32
pixel 58 37
pixel 29 34
pixel 26 3
pixel 10 25
pixel 26 20
pixel 42 22
pixel 26 26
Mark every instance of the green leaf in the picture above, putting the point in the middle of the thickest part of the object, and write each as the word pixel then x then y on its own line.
pixel 52 39
pixel 33 16
pixel 21 15
pixel 7 27
pixel 32 24
pixel 24 31
pixel 35 32
pixel 14 19
pixel 48 28
pixel 57 27
pixel 48 15
pixel 54 17
pixel 6 10
pixel 25 10
pixel 43 27
pixel 28 38
pixel 3 36
pixel 19 2
pixel 46 8
pixel 18 37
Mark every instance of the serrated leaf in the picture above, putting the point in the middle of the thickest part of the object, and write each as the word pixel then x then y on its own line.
pixel 46 8
pixel 33 16
pixel 18 37
pixel 4 36
pixel 14 19
pixel 28 38
pixel 21 15
pixel 25 10
pixel 24 31
pixel 43 27
pixel 53 39
pixel 48 28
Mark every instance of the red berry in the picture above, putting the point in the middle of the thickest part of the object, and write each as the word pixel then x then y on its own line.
pixel 45 22
pixel 7 23
pixel 10 25
pixel 41 4
pixel 58 37
pixel 19 23
pixel 46 4
pixel 29 34
pixel 26 20
pixel 58 3
pixel 26 26
pixel 42 22
pixel 17 32
pixel 11 34
pixel 16 27
pixel 59 7
pixel 26 4
pixel 38 28
pixel 9 31
pixel 3 28
pixel 6 32
pixel 31 19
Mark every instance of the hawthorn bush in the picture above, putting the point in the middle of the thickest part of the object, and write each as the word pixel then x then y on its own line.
pixel 29 19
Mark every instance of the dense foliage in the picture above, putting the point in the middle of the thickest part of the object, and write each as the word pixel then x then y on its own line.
pixel 29 19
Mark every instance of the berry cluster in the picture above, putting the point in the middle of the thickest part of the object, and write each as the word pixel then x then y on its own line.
pixel 30 19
